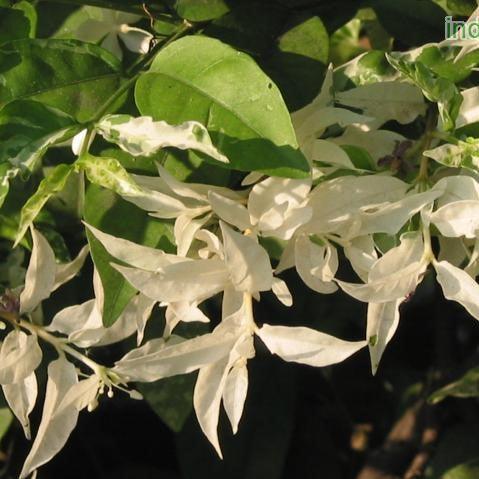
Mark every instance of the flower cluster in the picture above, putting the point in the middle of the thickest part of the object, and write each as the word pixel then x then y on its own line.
pixel 365 201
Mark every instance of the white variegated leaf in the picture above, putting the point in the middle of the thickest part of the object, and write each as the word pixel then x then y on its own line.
pixel 54 428
pixel 40 277
pixel 362 255
pixel 469 111
pixel 307 346
pixel 316 265
pixel 158 359
pixel 143 257
pixel 383 320
pixel 247 262
pixel 452 250
pixel 338 203
pixel 143 137
pixel 456 188
pixel 65 272
pixel 389 100
pixel 207 399
pixel 378 143
pixel 328 152
pixel 21 398
pixel 458 286
pixel 394 275
pixel 235 392
pixel 460 218
pixel 271 200
pixel 20 355
pixel 185 281
pixel 389 218
pixel 230 211
pixel 185 230
pixel 281 291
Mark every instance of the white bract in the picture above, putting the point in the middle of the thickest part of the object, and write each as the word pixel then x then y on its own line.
pixel 363 201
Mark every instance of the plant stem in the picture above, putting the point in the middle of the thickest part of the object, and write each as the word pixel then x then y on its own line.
pixel 60 345
pixel 431 121
pixel 248 300
pixel 134 71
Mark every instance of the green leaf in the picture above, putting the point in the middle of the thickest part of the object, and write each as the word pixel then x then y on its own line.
pixel 198 78
pixel 299 63
pixel 6 174
pixel 28 129
pixel 108 212
pixel 245 28
pixel 345 42
pixel 171 399
pixel 143 136
pixel 436 89
pixel 413 22
pixel 371 67
pixel 456 455
pixel 17 22
pixel 50 185
pixel 442 61
pixel 463 155
pixel 465 387
pixel 461 7
pixel 469 470
pixel 69 75
pixel 108 173
pixel 6 418
pixel 136 164
pixel 201 10
pixel 361 158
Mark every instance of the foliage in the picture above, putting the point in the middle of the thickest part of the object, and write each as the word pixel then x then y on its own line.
pixel 194 169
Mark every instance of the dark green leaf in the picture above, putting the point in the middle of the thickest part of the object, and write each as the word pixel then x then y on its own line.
pixel 442 62
pixel 260 448
pixel 413 22
pixel 201 10
pixel 198 78
pixel 50 185
pixel 74 77
pixel 108 173
pixel 6 419
pixel 462 7
pixel 440 90
pixel 6 173
pixel 456 455
pixel 171 399
pixel 108 212
pixel 370 67
pixel 466 386
pixel 299 63
pixel 28 129
pixel 17 22
pixel 361 158
pixel 245 28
